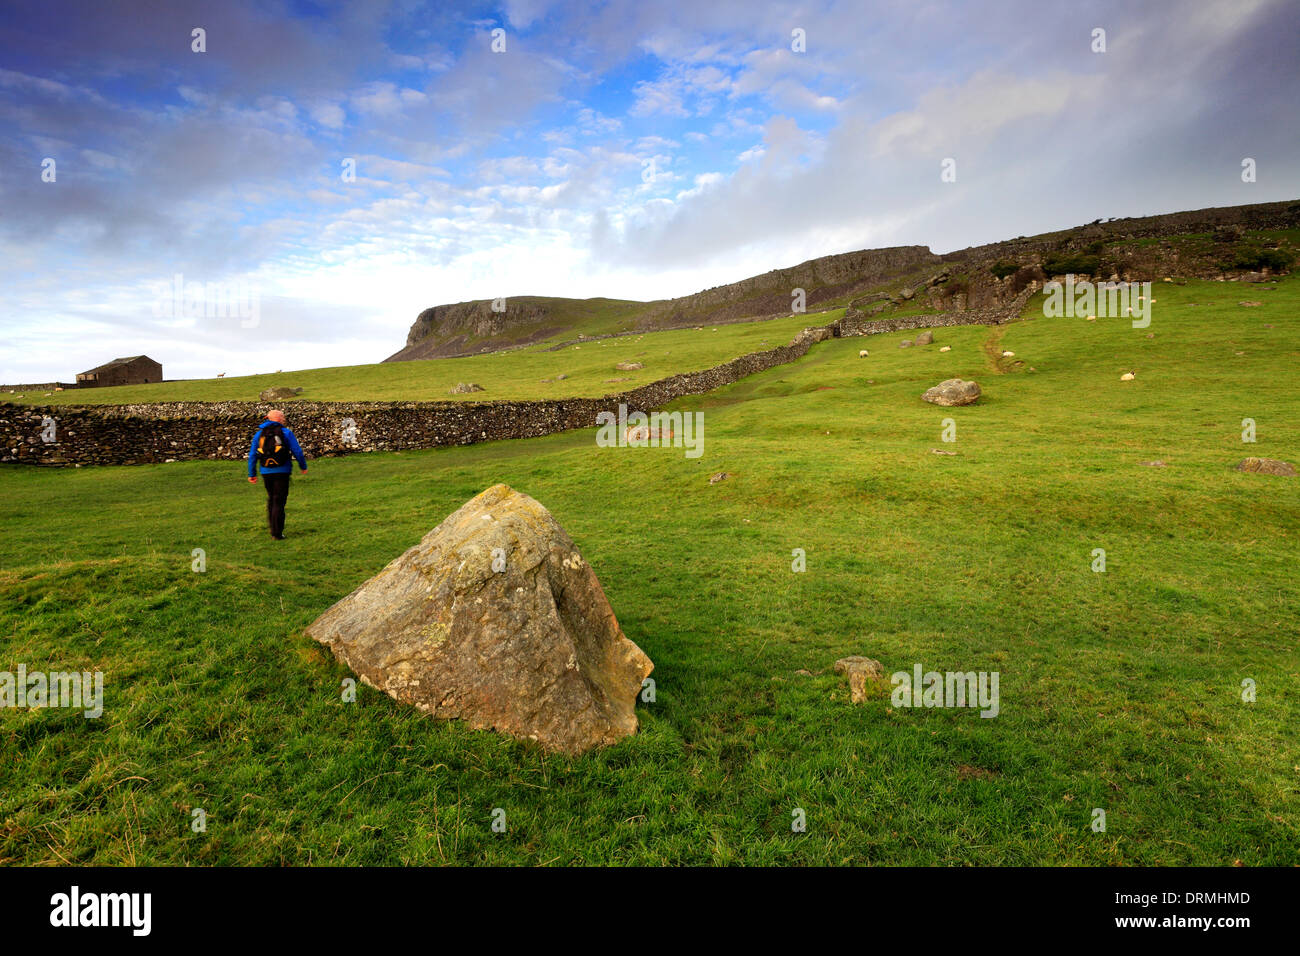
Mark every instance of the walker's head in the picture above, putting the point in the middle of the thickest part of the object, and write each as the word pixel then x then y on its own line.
pixel 276 415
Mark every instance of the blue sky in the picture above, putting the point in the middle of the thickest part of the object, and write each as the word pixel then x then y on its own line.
pixel 627 149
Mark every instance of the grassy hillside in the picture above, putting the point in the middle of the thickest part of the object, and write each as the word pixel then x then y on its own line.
pixel 516 374
pixel 1119 690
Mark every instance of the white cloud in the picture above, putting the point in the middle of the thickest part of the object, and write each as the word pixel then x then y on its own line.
pixel 329 115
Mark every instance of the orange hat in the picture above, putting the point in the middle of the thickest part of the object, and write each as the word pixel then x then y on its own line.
pixel 276 415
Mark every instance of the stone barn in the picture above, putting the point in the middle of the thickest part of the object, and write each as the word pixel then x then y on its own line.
pixel 136 370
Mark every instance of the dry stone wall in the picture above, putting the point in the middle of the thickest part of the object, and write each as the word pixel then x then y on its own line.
pixel 187 431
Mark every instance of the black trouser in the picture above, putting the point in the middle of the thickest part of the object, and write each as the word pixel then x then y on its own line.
pixel 277 493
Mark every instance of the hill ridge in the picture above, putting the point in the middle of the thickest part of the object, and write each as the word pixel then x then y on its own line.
pixel 957 280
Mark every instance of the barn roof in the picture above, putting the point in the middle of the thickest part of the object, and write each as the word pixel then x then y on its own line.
pixel 117 361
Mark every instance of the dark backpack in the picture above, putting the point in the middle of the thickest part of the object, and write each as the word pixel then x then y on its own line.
pixel 272 449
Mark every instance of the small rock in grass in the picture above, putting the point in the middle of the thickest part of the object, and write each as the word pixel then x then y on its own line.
pixel 1155 464
pixel 720 476
pixel 1267 466
pixel 860 670
pixel 1249 304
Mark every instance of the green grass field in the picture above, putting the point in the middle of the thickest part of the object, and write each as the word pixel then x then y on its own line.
pixel 512 375
pixel 1119 690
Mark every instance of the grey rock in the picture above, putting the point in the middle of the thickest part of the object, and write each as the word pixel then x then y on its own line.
pixel 953 392
pixel 520 640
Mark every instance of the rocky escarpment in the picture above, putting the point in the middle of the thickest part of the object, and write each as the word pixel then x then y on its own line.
pixel 1204 243
pixel 449 330
pixel 470 327
pixel 822 280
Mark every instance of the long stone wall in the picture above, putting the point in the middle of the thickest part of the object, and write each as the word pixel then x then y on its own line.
pixel 186 431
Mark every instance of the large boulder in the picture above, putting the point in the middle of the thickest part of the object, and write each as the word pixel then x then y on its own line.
pixel 952 392
pixel 925 338
pixel 278 392
pixel 496 619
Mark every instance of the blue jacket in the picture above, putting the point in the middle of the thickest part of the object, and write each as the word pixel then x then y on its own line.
pixel 284 469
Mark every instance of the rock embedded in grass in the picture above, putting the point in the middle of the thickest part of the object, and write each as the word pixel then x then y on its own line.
pixel 1267 466
pixel 465 388
pixel 925 338
pixel 495 618
pixel 277 393
pixel 860 670
pixel 952 393
pixel 628 366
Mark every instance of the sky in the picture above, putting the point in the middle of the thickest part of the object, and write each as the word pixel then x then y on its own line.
pixel 291 186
